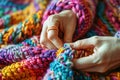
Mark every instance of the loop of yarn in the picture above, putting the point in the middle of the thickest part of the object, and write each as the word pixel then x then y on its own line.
pixel 60 68
pixel 79 7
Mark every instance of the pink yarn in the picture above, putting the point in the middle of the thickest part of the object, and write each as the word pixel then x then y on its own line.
pixel 80 8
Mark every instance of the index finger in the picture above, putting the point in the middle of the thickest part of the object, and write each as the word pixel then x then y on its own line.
pixel 52 33
pixel 84 43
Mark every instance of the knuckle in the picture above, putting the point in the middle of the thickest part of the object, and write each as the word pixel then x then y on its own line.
pixel 50 37
pixel 52 17
pixel 42 42
pixel 96 39
pixel 102 70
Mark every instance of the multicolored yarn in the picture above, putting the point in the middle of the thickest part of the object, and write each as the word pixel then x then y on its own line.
pixel 13 53
pixel 10 6
pixel 32 68
pixel 28 61
pixel 22 31
pixel 26 29
pixel 34 41
pixel 107 21
pixel 82 8
pixel 15 18
pixel 60 68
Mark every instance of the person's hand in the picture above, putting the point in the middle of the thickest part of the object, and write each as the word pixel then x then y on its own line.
pixel 106 54
pixel 57 24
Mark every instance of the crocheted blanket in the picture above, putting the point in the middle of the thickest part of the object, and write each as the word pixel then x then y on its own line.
pixel 21 56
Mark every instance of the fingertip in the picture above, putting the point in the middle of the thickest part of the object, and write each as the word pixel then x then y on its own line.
pixel 71 45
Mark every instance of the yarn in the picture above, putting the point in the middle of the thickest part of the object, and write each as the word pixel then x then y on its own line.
pixel 13 53
pixel 23 30
pixel 26 60
pixel 61 66
pixel 30 68
pixel 9 6
pixel 107 20
pixel 80 8
pixel 33 41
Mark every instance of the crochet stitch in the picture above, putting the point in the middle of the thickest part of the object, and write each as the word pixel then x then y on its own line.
pixel 26 60
pixel 30 68
pixel 107 20
pixel 23 30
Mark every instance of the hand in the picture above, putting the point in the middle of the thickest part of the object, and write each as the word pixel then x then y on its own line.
pixel 64 22
pixel 106 54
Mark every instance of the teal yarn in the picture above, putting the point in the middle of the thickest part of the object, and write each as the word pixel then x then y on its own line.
pixel 62 67
pixel 33 41
pixel 101 25
pixel 9 6
pixel 101 9
pixel 6 20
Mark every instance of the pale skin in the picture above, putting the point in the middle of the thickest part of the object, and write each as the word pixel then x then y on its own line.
pixel 106 50
pixel 64 22
pixel 105 56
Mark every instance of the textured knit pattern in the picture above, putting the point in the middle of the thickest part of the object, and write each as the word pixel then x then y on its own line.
pixel 107 20
pixel 26 29
pixel 80 7
pixel 21 56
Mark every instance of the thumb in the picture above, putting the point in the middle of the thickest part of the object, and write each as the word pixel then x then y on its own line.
pixel 53 20
pixel 84 43
pixel 53 29
pixel 85 62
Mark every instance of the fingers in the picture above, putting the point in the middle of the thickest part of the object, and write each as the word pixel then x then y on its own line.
pixel 49 35
pixel 53 36
pixel 91 63
pixel 53 29
pixel 69 31
pixel 58 23
pixel 85 62
pixel 53 20
pixel 45 43
pixel 69 24
pixel 85 43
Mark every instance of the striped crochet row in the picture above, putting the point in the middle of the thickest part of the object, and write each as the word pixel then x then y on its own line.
pixel 28 61
pixel 23 30
pixel 32 68
pixel 107 20
pixel 10 6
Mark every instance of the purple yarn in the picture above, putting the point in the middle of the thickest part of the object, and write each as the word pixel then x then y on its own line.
pixel 15 53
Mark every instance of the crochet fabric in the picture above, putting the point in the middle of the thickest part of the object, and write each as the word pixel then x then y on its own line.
pixel 21 56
